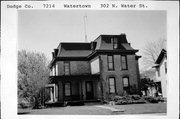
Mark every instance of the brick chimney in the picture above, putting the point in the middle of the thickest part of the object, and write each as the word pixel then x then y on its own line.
pixel 53 55
pixel 122 37
pixel 93 45
pixel 55 52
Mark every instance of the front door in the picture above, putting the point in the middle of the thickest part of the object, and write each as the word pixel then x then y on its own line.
pixel 89 90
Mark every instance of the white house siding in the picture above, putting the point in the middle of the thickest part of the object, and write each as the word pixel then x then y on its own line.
pixel 53 71
pixel 56 67
pixel 162 77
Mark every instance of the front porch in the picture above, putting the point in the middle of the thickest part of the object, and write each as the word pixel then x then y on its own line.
pixel 73 89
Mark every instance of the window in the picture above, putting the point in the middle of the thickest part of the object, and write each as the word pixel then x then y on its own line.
pixel 126 84
pixel 165 66
pixel 89 87
pixel 56 69
pixel 124 62
pixel 66 68
pixel 112 85
pixel 115 43
pixel 158 71
pixel 53 71
pixel 67 89
pixel 110 63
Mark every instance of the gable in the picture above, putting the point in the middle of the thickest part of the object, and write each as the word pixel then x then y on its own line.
pixel 161 56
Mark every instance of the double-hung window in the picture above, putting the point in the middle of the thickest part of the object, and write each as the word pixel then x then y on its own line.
pixel 124 62
pixel 67 89
pixel 110 62
pixel 66 68
pixel 56 69
pixel 126 84
pixel 158 72
pixel 112 85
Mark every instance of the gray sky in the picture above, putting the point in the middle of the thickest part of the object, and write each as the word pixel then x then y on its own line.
pixel 43 30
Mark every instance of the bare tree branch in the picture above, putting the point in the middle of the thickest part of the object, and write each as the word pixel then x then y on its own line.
pixel 151 52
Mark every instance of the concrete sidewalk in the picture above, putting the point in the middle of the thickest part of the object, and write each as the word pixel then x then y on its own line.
pixel 110 108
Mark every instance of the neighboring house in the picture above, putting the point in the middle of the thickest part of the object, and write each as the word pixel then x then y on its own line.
pixel 154 85
pixel 161 71
pixel 93 71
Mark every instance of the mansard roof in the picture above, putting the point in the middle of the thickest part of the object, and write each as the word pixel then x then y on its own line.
pixel 102 44
pixel 74 50
pixel 76 46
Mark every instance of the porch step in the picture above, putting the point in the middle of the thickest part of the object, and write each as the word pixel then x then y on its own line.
pixel 57 104
pixel 91 101
pixel 75 103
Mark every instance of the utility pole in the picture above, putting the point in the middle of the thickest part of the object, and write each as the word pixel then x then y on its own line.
pixel 85 17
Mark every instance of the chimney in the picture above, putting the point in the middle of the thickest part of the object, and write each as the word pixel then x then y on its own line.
pixel 53 55
pixel 55 52
pixel 93 45
pixel 123 38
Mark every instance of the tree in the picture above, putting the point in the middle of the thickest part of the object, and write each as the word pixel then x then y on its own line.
pixel 32 77
pixel 146 83
pixel 151 52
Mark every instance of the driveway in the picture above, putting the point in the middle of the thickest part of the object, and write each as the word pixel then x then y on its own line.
pixel 98 109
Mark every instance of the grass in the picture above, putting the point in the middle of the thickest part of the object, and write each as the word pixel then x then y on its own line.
pixel 94 110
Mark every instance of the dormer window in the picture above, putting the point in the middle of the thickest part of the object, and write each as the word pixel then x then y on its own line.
pixel 115 43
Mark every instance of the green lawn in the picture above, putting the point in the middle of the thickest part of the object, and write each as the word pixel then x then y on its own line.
pixel 159 108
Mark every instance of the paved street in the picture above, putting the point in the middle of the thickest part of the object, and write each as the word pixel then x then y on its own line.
pixel 156 109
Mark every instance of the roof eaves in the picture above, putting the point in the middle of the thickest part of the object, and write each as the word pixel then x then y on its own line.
pixel 155 66
pixel 97 37
pixel 160 57
pixel 50 64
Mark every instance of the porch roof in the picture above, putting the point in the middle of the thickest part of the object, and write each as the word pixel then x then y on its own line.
pixel 74 77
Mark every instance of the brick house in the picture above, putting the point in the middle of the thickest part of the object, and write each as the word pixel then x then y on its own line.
pixel 93 71
pixel 161 71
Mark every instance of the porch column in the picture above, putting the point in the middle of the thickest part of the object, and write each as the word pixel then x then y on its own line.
pixel 51 95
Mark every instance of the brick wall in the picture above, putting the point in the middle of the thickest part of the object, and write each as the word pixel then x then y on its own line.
pixel 76 68
pixel 119 74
